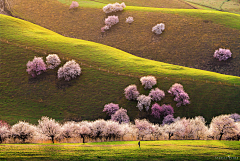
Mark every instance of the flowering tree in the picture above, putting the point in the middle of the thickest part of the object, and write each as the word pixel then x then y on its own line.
pixel 98 129
pixel 144 128
pixel 114 7
pixel 167 110
pixel 169 130
pixel 181 97
pixel 199 127
pixel 157 110
pixel 221 125
pixel 131 92
pixel 111 108
pixel 148 81
pixel 129 19
pixel 120 116
pixel 157 131
pixel 113 130
pixel 168 119
pixel 74 5
pixel 68 130
pixel 52 61
pixel 70 70
pixel 143 101
pixel 156 94
pixel 110 21
pixel 83 131
pixel 23 131
pixel 49 127
pixel 36 67
pixel 235 117
pixel 158 28
pixel 222 54
pixel 4 123
pixel 4 130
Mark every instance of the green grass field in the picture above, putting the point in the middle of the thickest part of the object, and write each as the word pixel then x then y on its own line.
pixel 125 150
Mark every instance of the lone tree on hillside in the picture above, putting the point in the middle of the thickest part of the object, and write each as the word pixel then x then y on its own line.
pixel 131 92
pixel 36 67
pixel 111 108
pixel 70 70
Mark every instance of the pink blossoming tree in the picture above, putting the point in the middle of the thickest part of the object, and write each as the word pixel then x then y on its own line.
pixel 36 67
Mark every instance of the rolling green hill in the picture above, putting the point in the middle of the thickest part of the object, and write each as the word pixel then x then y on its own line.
pixel 25 98
pixel 190 38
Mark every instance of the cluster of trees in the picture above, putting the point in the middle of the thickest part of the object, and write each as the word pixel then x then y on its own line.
pixel 37 66
pixel 131 93
pixel 221 127
pixel 118 115
pixel 112 20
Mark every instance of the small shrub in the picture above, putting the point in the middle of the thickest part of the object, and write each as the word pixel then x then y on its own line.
pixel 148 81
pixel 143 101
pixel 158 28
pixel 222 54
pixel 70 70
pixel 114 7
pixel 74 5
pixel 52 61
pixel 111 108
pixel 156 94
pixel 131 92
pixel 129 19
pixel 111 20
pixel 36 67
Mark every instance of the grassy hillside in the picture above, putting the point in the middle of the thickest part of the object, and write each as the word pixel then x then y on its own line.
pixel 25 98
pixel 224 5
pixel 125 150
pixel 190 38
pixel 143 3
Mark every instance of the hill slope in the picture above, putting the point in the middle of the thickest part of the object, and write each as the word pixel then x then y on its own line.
pixel 25 98
pixel 190 38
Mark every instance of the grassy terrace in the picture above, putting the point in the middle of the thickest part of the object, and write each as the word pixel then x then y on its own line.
pixel 124 150
pixel 24 98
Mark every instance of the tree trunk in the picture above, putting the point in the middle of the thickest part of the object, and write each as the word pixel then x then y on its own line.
pixel 52 137
pixel 170 135
pixel 83 139
pixel 221 134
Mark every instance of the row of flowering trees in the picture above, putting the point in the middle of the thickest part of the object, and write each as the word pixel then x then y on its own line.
pixel 221 127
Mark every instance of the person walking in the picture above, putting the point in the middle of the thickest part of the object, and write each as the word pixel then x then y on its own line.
pixel 139 143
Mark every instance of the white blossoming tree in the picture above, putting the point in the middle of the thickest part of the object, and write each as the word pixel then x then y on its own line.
pixel 143 101
pixel 49 127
